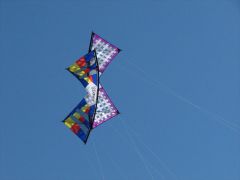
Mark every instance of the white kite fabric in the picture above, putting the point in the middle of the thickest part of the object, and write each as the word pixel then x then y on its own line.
pixel 96 107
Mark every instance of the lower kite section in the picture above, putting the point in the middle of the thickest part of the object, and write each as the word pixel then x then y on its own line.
pixel 85 117
pixel 105 108
pixel 80 120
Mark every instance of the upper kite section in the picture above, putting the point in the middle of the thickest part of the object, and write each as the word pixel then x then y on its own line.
pixel 86 69
pixel 105 51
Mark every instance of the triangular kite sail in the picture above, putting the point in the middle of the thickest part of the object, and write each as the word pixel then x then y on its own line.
pixel 105 51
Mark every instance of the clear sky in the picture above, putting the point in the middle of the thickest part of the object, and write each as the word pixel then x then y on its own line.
pixel 176 84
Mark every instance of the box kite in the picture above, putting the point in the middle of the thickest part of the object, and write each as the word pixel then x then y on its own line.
pixel 96 107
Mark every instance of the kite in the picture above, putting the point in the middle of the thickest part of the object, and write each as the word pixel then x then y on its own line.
pixel 96 107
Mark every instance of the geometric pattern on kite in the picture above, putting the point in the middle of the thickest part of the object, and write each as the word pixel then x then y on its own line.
pixel 79 120
pixel 105 51
pixel 96 107
pixel 86 69
pixel 105 108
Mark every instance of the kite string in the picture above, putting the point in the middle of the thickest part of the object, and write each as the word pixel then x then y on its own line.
pixel 153 153
pixel 98 159
pixel 163 164
pixel 2 150
pixel 157 171
pixel 118 169
pixel 113 162
pixel 140 155
pixel 218 118
pixel 123 138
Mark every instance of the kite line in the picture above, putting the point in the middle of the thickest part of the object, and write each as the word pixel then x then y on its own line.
pixel 139 153
pixel 231 125
pixel 98 159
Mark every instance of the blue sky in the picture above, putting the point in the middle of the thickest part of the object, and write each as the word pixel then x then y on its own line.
pixel 176 84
